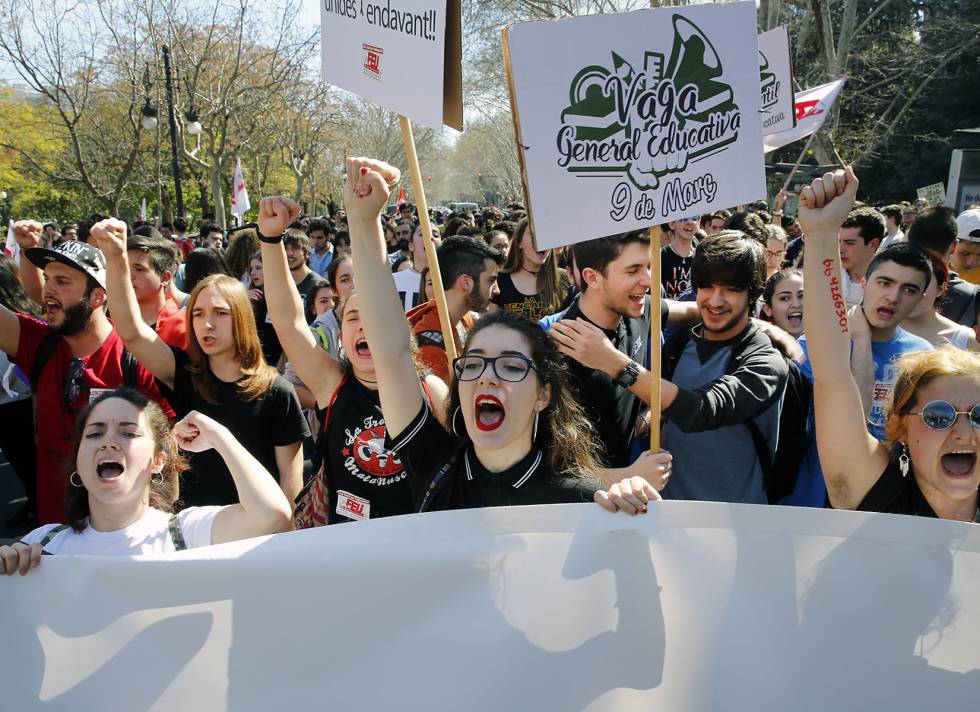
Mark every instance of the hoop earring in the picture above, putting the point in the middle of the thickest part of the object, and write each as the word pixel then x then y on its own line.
pixel 903 459
pixel 74 476
pixel 534 428
pixel 156 478
pixel 453 422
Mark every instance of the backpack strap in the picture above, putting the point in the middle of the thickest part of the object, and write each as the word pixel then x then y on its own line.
pixel 52 533
pixel 130 369
pixel 43 354
pixel 333 399
pixel 176 535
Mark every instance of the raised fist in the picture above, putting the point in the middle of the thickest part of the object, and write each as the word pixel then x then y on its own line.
pixel 825 203
pixel 276 213
pixel 368 187
pixel 27 233
pixel 109 235
pixel 196 432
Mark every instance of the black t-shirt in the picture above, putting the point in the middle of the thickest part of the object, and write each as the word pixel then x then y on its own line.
pixel 895 494
pixel 259 425
pixel 528 306
pixel 271 348
pixel 675 272
pixel 444 475
pixel 357 461
pixel 306 285
pixel 610 407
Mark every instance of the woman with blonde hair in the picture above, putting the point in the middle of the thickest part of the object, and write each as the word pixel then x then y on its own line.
pixel 126 482
pixel 222 374
pixel 531 284
pixel 928 464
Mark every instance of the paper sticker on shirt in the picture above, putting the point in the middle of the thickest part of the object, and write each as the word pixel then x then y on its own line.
pixel 352 506
pixel 96 392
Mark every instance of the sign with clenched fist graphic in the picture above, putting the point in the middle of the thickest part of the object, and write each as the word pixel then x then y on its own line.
pixel 628 120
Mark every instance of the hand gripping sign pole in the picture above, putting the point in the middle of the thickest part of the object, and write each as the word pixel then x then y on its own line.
pixel 430 249
pixel 655 338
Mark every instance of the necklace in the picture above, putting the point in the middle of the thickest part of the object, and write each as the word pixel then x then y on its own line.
pixel 525 269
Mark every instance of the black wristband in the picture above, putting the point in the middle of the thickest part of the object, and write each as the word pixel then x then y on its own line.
pixel 628 376
pixel 268 240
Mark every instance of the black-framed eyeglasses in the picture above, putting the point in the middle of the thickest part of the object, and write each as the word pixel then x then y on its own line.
pixel 512 368
pixel 941 415
pixel 75 385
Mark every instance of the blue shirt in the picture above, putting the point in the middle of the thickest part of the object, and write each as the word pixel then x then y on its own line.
pixel 319 264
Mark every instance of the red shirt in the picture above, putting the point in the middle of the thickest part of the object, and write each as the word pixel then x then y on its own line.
pixel 55 424
pixel 185 244
pixel 424 320
pixel 171 325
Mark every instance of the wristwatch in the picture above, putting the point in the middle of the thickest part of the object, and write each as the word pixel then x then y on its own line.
pixel 270 240
pixel 627 377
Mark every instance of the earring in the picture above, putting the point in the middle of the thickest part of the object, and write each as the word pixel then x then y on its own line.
pixel 903 459
pixel 534 428
pixel 75 476
pixel 453 422
pixel 157 478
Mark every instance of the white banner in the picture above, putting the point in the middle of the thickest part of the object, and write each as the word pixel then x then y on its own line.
pixel 629 120
pixel 694 606
pixel 10 245
pixel 812 109
pixel 239 196
pixel 776 76
pixel 935 193
pixel 390 52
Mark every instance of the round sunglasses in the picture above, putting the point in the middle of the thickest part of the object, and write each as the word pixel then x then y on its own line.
pixel 940 415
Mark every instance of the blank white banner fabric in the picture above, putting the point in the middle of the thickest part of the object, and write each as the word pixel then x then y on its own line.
pixel 695 606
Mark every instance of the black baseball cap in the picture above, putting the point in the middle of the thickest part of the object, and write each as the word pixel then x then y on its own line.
pixel 80 255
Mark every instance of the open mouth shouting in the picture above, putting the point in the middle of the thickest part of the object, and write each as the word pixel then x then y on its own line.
pixel 208 341
pixel 361 348
pixel 490 412
pixel 52 308
pixel 959 464
pixel 885 313
pixel 109 470
pixel 637 301
pixel 795 319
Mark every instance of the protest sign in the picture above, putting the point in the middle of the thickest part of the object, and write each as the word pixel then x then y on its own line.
pixel 633 119
pixel 693 606
pixel 812 109
pixel 404 55
pixel 935 193
pixel 776 76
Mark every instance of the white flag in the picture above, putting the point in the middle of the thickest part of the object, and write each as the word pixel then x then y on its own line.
pixel 812 109
pixel 11 247
pixel 143 210
pixel 239 196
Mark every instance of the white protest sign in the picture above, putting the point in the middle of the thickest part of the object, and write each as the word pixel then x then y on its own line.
pixel 693 606
pixel 400 54
pixel 628 120
pixel 935 193
pixel 776 76
pixel 812 109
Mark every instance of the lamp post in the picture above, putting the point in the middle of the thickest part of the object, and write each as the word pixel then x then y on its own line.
pixel 172 114
pixel 148 114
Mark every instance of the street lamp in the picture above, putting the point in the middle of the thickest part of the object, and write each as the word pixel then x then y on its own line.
pixel 193 126
pixel 148 114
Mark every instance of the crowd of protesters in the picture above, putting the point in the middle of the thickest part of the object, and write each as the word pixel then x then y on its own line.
pixel 163 390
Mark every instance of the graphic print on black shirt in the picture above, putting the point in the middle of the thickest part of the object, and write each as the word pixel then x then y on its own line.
pixel 675 272
pixel 363 476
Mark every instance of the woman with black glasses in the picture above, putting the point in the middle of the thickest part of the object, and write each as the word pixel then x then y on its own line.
pixel 518 437
pixel 928 464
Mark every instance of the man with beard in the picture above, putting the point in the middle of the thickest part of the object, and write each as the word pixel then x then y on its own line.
pixel 469 269
pixel 724 375
pixel 71 359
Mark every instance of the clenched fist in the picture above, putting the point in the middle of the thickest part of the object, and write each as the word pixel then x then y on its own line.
pixel 27 233
pixel 276 213
pixel 109 235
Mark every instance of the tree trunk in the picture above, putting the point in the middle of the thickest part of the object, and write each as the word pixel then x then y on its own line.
pixel 217 194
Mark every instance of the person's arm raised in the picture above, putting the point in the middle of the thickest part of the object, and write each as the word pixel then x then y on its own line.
pixel 851 458
pixel 315 367
pixel 262 507
pixel 382 314
pixel 27 233
pixel 140 338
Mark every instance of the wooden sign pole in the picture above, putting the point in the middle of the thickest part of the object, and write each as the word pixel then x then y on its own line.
pixel 655 338
pixel 448 330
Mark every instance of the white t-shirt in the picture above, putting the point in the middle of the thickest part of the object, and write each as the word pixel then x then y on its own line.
pixel 150 534
pixel 853 291
pixel 407 284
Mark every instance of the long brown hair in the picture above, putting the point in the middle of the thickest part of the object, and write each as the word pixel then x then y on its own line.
pixel 163 491
pixel 257 375
pixel 552 290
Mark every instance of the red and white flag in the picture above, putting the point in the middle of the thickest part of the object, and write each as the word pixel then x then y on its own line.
pixel 239 197
pixel 812 108
pixel 11 247
pixel 402 195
